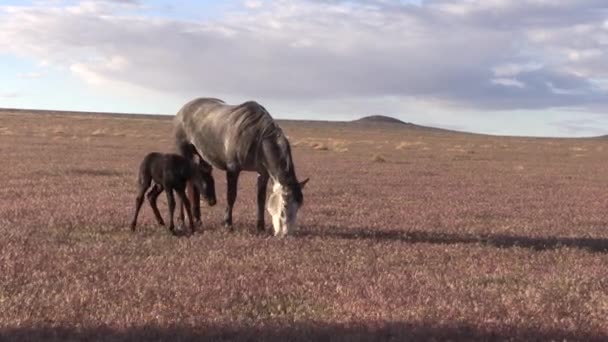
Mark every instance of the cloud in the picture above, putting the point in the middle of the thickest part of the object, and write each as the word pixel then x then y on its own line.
pixel 582 127
pixel 494 54
pixel 253 3
pixel 9 95
pixel 30 75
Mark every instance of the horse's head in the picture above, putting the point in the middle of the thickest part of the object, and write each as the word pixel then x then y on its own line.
pixel 283 206
pixel 204 182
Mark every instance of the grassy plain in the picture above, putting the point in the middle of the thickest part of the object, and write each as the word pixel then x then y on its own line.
pixel 406 233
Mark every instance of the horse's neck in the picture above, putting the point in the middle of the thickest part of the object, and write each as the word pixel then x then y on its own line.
pixel 284 174
pixel 279 163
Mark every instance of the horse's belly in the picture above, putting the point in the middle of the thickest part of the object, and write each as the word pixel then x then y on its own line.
pixel 210 154
pixel 214 160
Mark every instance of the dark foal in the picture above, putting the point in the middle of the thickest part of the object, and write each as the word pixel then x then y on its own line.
pixel 172 172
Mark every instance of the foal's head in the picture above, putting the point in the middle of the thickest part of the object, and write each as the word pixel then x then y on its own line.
pixel 204 182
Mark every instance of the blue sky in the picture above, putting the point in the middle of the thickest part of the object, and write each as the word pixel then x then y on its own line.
pixel 524 67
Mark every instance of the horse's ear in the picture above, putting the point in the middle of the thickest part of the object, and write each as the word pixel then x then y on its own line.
pixel 303 183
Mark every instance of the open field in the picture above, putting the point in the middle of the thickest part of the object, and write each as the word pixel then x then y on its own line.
pixel 405 233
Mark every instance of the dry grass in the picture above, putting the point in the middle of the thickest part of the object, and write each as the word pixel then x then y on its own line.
pixel 506 243
pixel 5 131
pixel 408 144
pixel 378 158
pixel 99 133
pixel 330 144
pixel 320 147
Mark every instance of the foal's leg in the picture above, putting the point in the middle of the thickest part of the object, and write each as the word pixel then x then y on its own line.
pixel 195 197
pixel 157 189
pixel 185 203
pixel 180 205
pixel 143 186
pixel 232 178
pixel 195 200
pixel 144 183
pixel 262 184
pixel 171 205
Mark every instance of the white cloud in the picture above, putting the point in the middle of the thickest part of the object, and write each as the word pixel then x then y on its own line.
pixel 9 95
pixel 493 54
pixel 253 3
pixel 512 69
pixel 30 75
pixel 87 74
pixel 509 82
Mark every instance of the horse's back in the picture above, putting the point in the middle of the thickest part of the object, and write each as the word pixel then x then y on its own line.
pixel 197 109
pixel 224 134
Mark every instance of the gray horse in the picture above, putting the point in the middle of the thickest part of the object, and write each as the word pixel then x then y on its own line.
pixel 239 138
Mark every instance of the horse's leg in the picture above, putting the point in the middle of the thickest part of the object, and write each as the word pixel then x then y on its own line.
pixel 195 198
pixel 171 204
pixel 185 202
pixel 262 185
pixel 157 189
pixel 232 178
pixel 143 186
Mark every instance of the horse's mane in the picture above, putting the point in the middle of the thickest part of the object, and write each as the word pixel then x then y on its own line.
pixel 266 128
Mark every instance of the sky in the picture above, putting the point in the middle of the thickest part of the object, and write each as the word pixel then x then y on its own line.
pixel 526 67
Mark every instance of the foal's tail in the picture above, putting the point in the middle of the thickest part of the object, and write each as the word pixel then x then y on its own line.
pixel 144 177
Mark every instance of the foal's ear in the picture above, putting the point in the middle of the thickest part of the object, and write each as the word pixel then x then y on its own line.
pixel 303 183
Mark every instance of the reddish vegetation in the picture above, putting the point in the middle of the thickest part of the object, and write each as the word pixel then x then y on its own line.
pixel 453 236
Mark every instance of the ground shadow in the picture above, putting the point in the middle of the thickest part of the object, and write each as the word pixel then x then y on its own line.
pixel 597 245
pixel 296 332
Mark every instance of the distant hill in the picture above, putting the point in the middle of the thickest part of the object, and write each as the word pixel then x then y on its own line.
pixel 381 119
pixel 377 121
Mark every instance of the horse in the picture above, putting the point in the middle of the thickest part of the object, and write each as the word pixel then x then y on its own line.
pixel 237 138
pixel 171 172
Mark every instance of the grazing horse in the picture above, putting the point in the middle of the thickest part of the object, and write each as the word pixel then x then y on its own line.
pixel 239 138
pixel 168 172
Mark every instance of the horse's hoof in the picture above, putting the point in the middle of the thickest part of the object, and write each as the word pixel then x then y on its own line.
pixel 262 233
